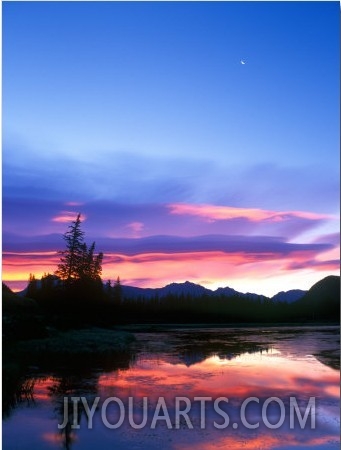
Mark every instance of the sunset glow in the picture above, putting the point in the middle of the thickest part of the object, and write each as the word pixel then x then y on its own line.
pixel 266 374
pixel 206 268
pixel 171 225
pixel 247 262
pixel 194 141
pixel 235 366
pixel 245 259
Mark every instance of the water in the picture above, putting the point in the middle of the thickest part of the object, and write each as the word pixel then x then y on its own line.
pixel 245 366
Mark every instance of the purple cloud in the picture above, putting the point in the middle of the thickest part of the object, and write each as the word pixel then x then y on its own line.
pixel 175 244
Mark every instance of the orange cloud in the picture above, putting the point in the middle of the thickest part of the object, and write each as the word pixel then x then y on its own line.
pixel 214 212
pixel 16 266
pixel 265 273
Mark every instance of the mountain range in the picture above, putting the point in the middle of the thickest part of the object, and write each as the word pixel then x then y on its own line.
pixel 327 288
pixel 196 290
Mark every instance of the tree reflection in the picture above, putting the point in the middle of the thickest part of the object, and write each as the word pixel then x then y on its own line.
pixel 194 348
pixel 61 393
pixel 22 384
pixel 17 390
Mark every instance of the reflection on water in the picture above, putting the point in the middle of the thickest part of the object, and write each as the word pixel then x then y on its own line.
pixel 213 363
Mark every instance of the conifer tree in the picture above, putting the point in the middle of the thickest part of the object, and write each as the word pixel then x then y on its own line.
pixel 80 271
pixel 32 287
pixel 72 258
pixel 118 291
pixel 79 262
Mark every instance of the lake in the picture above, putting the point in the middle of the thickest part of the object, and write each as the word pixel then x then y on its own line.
pixel 185 388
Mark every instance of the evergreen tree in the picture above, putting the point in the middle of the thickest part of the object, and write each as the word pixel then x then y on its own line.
pixel 72 258
pixel 97 270
pixel 32 288
pixel 80 268
pixel 90 267
pixel 48 283
pixel 78 261
pixel 108 290
pixel 117 291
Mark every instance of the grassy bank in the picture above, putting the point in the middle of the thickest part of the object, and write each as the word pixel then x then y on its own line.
pixel 74 349
pixel 83 342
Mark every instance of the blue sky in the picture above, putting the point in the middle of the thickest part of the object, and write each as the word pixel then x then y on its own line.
pixel 126 107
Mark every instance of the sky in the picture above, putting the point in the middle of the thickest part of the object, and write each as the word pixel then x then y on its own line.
pixel 199 140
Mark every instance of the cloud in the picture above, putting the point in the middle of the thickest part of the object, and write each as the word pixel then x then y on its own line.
pixel 266 273
pixel 309 187
pixel 112 219
pixel 255 245
pixel 74 203
pixel 170 258
pixel 133 176
pixel 213 212
pixel 115 174
pixel 332 238
pixel 67 217
pixel 246 248
pixel 331 265
pixel 242 250
pixel 136 228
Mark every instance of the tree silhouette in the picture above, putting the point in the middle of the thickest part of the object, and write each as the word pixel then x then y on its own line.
pixel 117 291
pixel 71 261
pixel 80 269
pixel 78 261
pixel 90 264
pixel 32 288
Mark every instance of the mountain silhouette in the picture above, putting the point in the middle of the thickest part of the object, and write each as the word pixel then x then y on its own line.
pixel 323 298
pixel 325 291
pixel 289 296
pixel 186 289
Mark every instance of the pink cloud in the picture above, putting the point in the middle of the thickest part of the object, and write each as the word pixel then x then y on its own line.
pixel 67 216
pixel 214 212
pixel 263 273
pixel 136 228
pixel 74 203
pixel 264 266
pixel 266 274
